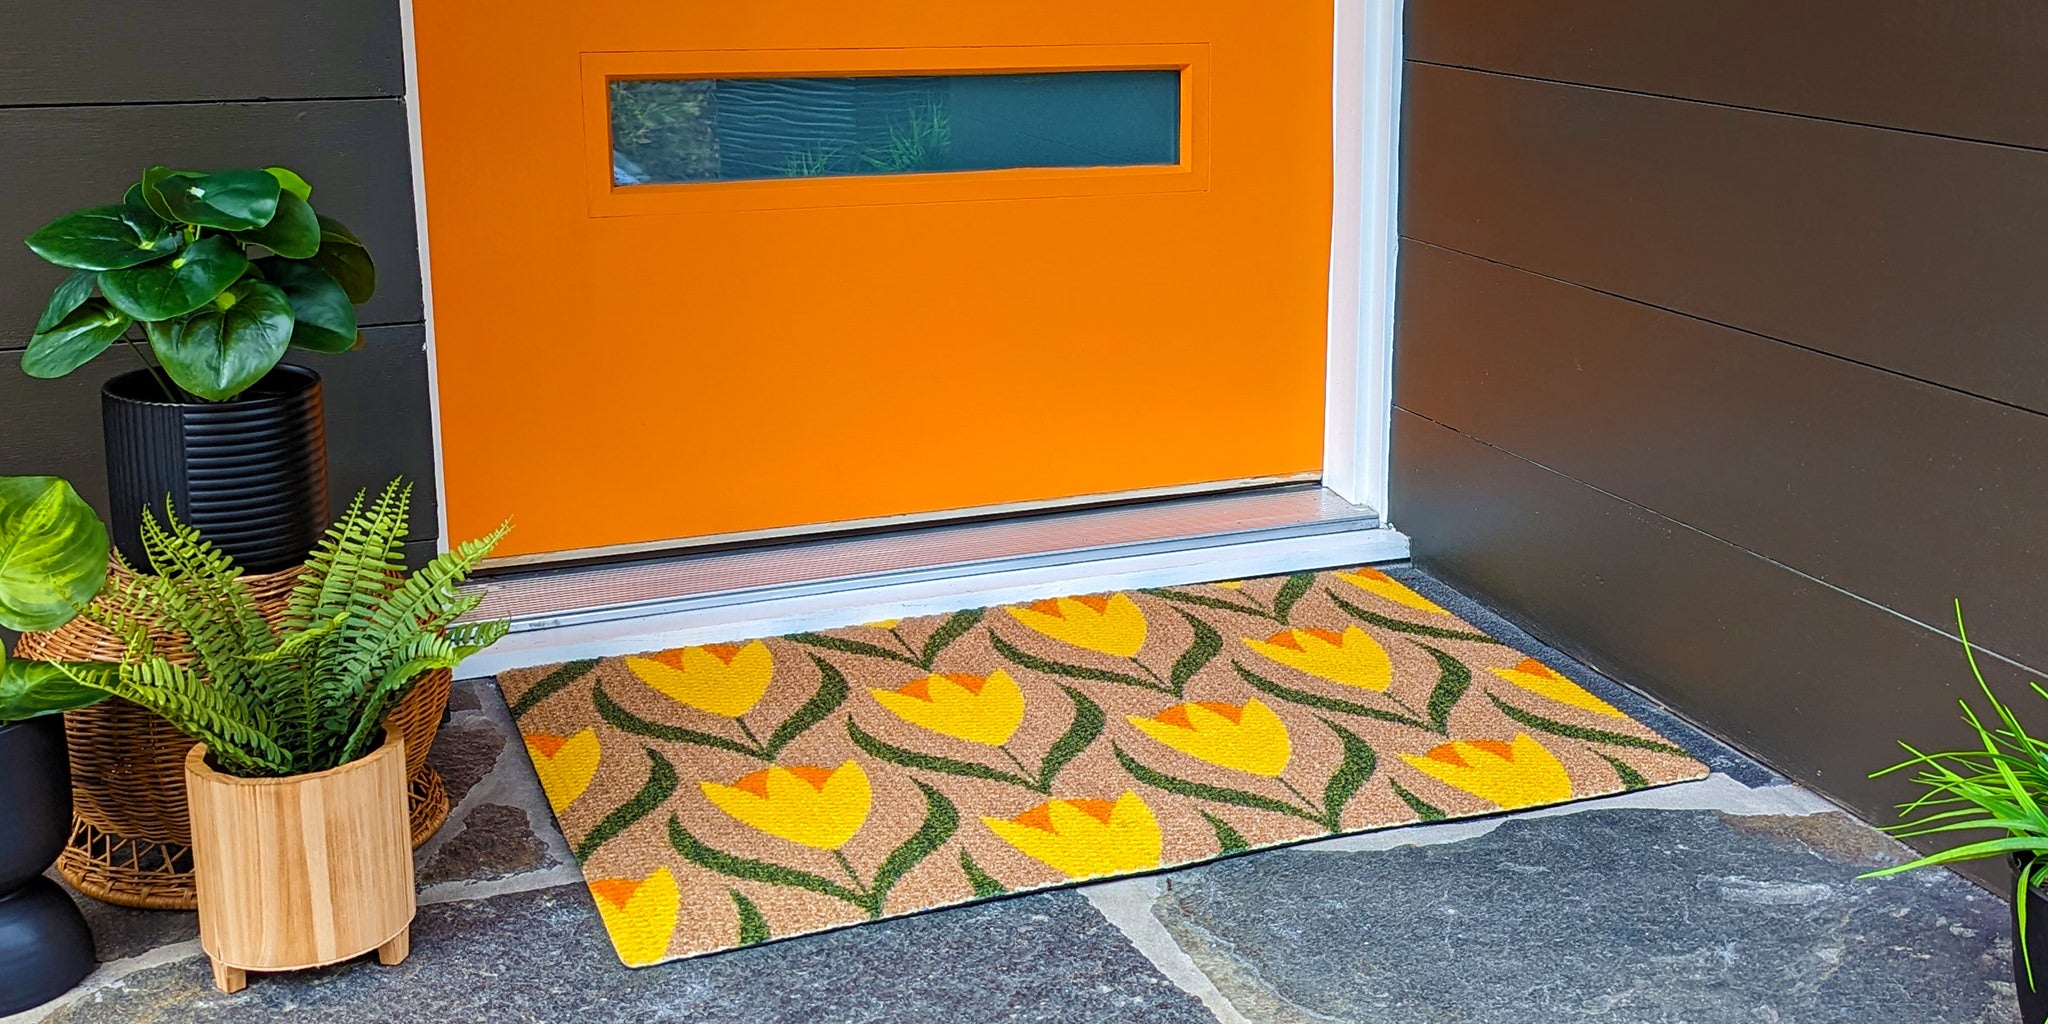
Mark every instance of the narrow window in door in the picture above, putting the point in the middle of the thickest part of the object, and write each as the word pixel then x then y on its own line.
pixel 674 130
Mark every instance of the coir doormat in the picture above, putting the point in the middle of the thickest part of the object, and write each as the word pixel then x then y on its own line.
pixel 729 794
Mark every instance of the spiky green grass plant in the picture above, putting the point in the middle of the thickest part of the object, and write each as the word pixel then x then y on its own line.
pixel 2000 787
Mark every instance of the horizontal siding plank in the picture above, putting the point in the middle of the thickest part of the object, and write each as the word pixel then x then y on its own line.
pixel 355 152
pixel 378 421
pixel 1905 493
pixel 1913 253
pixel 1815 682
pixel 117 51
pixel 1975 70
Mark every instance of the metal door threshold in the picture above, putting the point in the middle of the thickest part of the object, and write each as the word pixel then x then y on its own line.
pixel 566 597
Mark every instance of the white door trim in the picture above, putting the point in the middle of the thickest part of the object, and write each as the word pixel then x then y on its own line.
pixel 1364 240
pixel 419 214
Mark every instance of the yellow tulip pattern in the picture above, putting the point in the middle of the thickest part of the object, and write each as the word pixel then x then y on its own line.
pixel 1085 838
pixel 1352 657
pixel 979 709
pixel 724 679
pixel 565 765
pixel 1521 773
pixel 798 783
pixel 1246 737
pixel 818 807
pixel 1373 581
pixel 1111 624
pixel 1541 680
pixel 640 915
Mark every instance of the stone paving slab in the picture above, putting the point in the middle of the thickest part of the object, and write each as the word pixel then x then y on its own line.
pixel 1607 915
pixel 541 956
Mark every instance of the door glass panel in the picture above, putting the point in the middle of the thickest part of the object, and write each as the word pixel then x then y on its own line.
pixel 736 129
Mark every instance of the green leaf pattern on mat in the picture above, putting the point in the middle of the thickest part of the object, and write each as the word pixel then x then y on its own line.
pixel 1228 840
pixel 660 785
pixel 1190 729
pixel 753 927
pixel 983 883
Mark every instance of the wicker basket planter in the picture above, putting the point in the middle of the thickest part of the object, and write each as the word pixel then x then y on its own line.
pixel 276 892
pixel 131 832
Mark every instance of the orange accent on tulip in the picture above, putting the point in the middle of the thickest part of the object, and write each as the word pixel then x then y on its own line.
pixel 616 891
pixel 920 688
pixel 1285 638
pixel 1100 810
pixel 1039 817
pixel 1231 713
pixel 1098 602
pixel 723 652
pixel 548 746
pixel 756 783
pixel 812 774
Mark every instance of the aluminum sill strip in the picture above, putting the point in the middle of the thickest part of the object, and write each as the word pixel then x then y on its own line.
pixel 556 599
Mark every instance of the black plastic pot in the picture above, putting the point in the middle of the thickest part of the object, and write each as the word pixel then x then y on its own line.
pixel 2033 1001
pixel 250 473
pixel 45 946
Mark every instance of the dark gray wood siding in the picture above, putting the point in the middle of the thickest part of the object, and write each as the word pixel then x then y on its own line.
pixel 93 92
pixel 1720 357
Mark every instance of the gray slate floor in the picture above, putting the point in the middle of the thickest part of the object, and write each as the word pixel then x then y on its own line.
pixel 1729 899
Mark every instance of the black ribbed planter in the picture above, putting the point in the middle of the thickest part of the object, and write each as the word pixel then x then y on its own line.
pixel 45 946
pixel 2033 1000
pixel 249 473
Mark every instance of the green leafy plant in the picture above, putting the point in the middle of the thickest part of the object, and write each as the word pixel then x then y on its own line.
pixel 174 259
pixel 2000 787
pixel 307 694
pixel 919 142
pixel 53 560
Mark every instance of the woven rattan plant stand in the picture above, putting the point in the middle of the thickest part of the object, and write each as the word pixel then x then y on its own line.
pixel 131 836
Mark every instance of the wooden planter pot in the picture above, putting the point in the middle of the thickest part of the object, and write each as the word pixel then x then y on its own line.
pixel 302 871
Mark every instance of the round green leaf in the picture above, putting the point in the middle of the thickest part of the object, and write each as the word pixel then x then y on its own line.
pixel 104 238
pixel 217 352
pixel 326 320
pixel 32 688
pixel 293 232
pixel 151 189
pixel 75 340
pixel 343 257
pixel 53 553
pixel 179 285
pixel 229 200
pixel 68 296
pixel 290 181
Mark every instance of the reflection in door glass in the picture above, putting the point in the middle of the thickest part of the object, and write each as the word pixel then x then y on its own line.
pixel 732 129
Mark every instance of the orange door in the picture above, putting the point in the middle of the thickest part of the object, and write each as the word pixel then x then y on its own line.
pixel 627 363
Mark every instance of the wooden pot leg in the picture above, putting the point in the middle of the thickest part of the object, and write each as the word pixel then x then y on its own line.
pixel 397 949
pixel 229 979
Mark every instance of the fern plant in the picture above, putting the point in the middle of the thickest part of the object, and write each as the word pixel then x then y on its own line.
pixel 310 693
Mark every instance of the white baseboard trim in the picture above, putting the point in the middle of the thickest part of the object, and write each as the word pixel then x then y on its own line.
pixel 758 613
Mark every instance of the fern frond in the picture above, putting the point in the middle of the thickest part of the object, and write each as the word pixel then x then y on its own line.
pixel 296 643
pixel 235 733
pixel 197 591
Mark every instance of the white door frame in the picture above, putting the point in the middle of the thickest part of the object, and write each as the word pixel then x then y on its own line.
pixel 1358 403
pixel 1364 241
